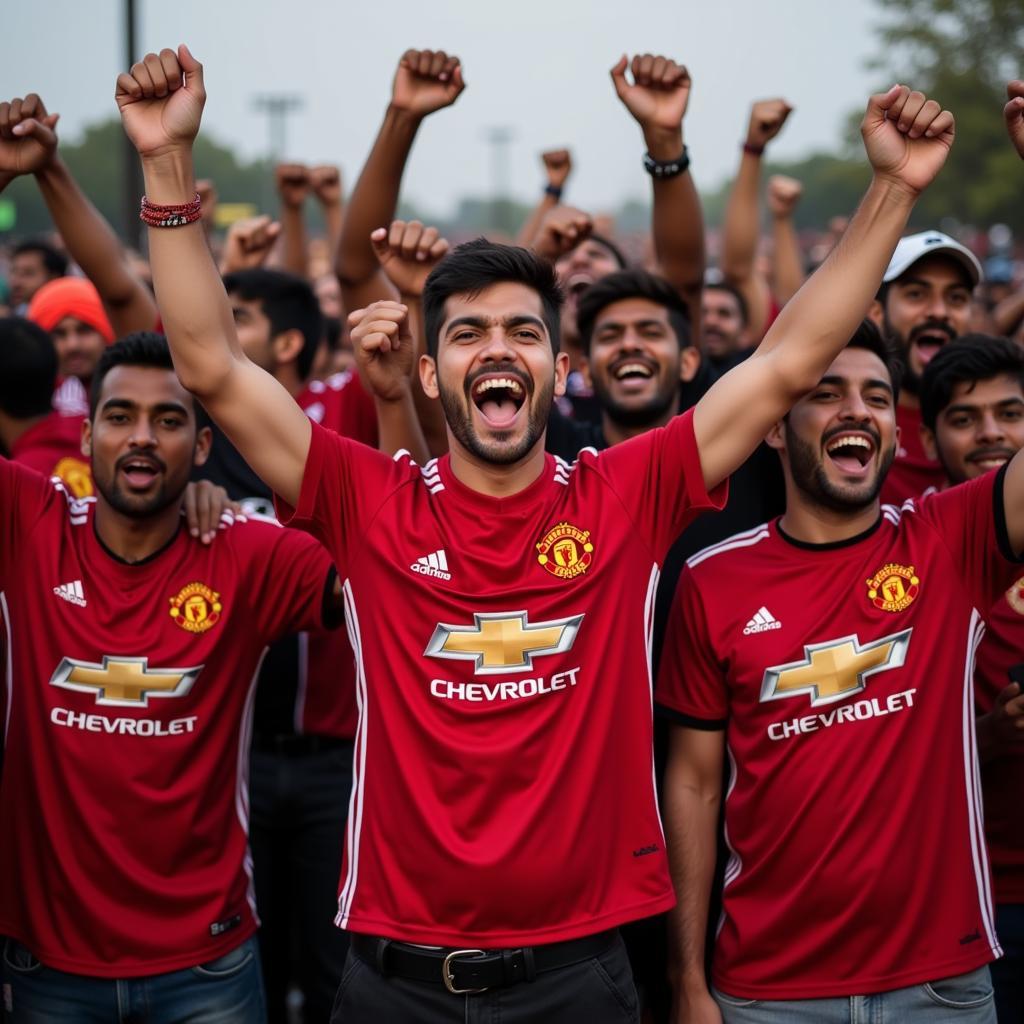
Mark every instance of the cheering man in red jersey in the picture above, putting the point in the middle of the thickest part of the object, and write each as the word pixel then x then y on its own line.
pixel 131 654
pixel 499 688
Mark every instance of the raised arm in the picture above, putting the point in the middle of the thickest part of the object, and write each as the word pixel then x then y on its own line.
pixel 293 188
pixel 907 138
pixel 557 167
pixel 161 102
pixel 657 99
pixel 28 145
pixel 425 81
pixel 326 182
pixel 787 260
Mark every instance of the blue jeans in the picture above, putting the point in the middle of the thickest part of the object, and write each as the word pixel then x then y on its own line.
pixel 227 990
pixel 1008 970
pixel 966 998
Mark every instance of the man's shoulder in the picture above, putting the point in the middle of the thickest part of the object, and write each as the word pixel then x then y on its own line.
pixel 741 549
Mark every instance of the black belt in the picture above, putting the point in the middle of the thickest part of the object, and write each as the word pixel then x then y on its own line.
pixel 475 970
pixel 296 744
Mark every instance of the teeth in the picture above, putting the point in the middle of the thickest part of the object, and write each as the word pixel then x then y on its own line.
pixel 632 368
pixel 849 442
pixel 508 383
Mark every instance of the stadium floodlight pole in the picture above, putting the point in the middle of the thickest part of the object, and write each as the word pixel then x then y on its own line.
pixel 499 136
pixel 131 191
pixel 277 107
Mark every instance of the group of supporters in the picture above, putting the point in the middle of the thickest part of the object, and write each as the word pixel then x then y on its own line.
pixel 382 667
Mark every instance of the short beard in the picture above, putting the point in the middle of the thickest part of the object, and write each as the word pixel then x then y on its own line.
pixel 809 476
pixel 651 414
pixel 137 508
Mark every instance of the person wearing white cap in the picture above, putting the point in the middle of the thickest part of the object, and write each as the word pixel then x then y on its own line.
pixel 924 302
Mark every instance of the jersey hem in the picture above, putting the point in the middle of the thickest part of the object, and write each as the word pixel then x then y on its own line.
pixel 504 940
pixel 116 970
pixel 853 986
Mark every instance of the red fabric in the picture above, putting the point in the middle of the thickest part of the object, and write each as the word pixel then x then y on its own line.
pixel 912 472
pixel 343 405
pixel 53 447
pixel 123 846
pixel 69 296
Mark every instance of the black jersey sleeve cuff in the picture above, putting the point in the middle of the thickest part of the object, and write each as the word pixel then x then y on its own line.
pixel 332 612
pixel 679 718
pixel 999 514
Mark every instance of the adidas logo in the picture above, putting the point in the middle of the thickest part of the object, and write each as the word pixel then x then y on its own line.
pixel 762 621
pixel 71 592
pixel 434 564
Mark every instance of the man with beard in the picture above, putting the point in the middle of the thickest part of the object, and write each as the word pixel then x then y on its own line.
pixel 972 406
pixel 501 689
pixel 924 302
pixel 830 652
pixel 125 880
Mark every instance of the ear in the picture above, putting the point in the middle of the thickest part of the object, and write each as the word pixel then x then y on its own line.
pixel 928 442
pixel 86 442
pixel 561 373
pixel 204 442
pixel 876 314
pixel 689 363
pixel 776 437
pixel 428 377
pixel 287 345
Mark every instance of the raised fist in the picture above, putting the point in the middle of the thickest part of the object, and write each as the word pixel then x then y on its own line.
pixel 561 230
pixel 161 101
pixel 907 137
pixel 766 120
pixel 659 94
pixel 426 80
pixel 1014 114
pixel 293 184
pixel 783 195
pixel 325 181
pixel 248 243
pixel 28 141
pixel 558 164
pixel 408 252
pixel 383 347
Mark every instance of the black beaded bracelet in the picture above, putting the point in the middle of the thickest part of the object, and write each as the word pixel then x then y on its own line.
pixel 667 168
pixel 554 191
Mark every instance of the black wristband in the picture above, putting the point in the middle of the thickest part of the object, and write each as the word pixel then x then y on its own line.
pixel 667 168
pixel 554 191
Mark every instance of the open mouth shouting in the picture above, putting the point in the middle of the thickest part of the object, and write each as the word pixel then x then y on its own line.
pixel 851 452
pixel 576 285
pixel 499 397
pixel 139 471
pixel 929 338
pixel 633 372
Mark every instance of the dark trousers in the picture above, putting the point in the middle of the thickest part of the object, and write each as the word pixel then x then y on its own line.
pixel 597 991
pixel 1008 971
pixel 298 809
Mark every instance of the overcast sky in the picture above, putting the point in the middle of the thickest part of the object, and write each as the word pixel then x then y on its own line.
pixel 539 67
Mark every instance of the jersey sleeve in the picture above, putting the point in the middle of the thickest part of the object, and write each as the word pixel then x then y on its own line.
pixel 971 520
pixel 691 688
pixel 24 494
pixel 343 486
pixel 658 477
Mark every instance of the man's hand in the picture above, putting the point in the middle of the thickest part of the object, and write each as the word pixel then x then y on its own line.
pixel 161 101
pixel 248 243
pixel 28 142
pixel 204 503
pixel 1014 114
pixel 907 137
pixel 408 253
pixel 692 1008
pixel 783 195
pixel 766 120
pixel 558 164
pixel 383 348
pixel 659 94
pixel 325 181
pixel 293 184
pixel 561 230
pixel 426 80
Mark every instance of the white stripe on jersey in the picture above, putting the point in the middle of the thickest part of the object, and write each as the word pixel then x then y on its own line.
pixel 9 666
pixel 745 539
pixel 652 594
pixel 242 779
pixel 735 863
pixel 303 687
pixel 979 851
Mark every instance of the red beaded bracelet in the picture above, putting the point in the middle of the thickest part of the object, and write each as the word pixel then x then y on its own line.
pixel 155 215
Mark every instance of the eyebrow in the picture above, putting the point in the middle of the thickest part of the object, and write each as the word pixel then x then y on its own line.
pixel 973 406
pixel 127 403
pixel 619 324
pixel 874 382
pixel 483 322
pixel 921 283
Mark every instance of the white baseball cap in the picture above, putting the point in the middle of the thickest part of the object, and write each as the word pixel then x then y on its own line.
pixel 914 247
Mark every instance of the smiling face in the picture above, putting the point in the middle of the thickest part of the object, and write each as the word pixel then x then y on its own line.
pixel 840 439
pixel 495 372
pixel 980 429
pixel 577 271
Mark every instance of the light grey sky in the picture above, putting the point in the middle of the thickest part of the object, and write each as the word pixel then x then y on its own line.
pixel 537 66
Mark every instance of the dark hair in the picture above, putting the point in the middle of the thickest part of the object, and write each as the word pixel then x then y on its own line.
pixel 868 336
pixel 470 268
pixel 970 358
pixel 632 284
pixel 142 348
pixel 288 302
pixel 610 246
pixel 724 286
pixel 55 262
pixel 332 333
pixel 28 368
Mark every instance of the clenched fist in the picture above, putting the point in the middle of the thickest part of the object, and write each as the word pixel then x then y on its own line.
pixel 1014 114
pixel 783 195
pixel 561 230
pixel 766 120
pixel 558 164
pixel 659 93
pixel 28 142
pixel 383 347
pixel 248 243
pixel 408 252
pixel 426 80
pixel 293 184
pixel 325 181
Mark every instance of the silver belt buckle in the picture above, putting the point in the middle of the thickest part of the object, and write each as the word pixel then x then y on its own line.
pixel 448 978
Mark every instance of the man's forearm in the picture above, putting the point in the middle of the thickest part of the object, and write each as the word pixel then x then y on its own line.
pixel 529 230
pixel 787 261
pixel 294 250
pixel 741 225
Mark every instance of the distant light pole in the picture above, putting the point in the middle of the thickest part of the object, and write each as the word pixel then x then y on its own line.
pixel 131 170
pixel 499 136
pixel 277 107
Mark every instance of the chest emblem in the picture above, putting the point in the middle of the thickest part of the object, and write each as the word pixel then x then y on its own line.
pixel 124 681
pixel 196 608
pixel 893 587
pixel 1015 596
pixel 566 551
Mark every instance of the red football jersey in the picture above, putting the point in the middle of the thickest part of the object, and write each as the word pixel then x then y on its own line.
pixel 843 675
pixel 124 798
pixel 53 447
pixel 912 473
pixel 504 790
pixel 343 405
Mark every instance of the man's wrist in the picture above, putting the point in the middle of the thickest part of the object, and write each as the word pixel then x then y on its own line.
pixel 893 189
pixel 754 149
pixel 401 118
pixel 395 395
pixel 53 169
pixel 170 176
pixel 664 143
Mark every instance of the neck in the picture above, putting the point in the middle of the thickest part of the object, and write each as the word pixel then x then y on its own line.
pixel 615 432
pixel 133 540
pixel 11 429
pixel 811 523
pixel 496 481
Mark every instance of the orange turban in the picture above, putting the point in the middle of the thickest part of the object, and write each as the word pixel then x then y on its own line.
pixel 69 296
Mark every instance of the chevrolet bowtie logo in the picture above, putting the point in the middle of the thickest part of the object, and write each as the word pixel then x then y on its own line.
pixel 834 670
pixel 124 681
pixel 502 641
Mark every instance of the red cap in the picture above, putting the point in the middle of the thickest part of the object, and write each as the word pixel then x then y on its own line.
pixel 69 296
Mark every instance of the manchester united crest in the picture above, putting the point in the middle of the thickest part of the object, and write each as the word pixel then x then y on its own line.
pixel 566 551
pixel 893 587
pixel 196 608
pixel 1015 596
